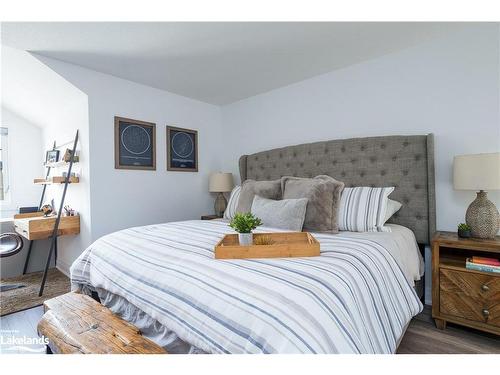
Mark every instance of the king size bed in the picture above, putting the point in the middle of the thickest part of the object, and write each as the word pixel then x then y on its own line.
pixel 358 296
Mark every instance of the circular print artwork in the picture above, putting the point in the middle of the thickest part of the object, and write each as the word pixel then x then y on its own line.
pixel 135 139
pixel 182 145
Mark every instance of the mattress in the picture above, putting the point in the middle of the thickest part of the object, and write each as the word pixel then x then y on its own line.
pixel 357 297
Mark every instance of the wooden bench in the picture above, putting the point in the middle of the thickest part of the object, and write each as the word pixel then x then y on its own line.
pixel 75 323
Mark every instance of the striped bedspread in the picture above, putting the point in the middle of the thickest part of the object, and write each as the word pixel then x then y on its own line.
pixel 353 298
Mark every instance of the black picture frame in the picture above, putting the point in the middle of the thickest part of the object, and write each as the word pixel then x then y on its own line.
pixel 182 149
pixel 135 144
pixel 52 156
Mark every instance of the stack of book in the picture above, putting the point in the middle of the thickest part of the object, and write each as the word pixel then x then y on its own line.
pixel 483 264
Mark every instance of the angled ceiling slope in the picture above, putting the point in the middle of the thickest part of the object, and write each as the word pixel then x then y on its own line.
pixel 32 90
pixel 217 63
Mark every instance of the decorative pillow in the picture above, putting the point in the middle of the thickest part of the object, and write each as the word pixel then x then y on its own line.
pixel 251 188
pixel 323 195
pixel 233 203
pixel 284 214
pixel 363 209
pixel 392 207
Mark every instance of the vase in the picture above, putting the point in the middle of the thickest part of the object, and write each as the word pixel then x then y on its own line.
pixel 245 239
pixel 482 216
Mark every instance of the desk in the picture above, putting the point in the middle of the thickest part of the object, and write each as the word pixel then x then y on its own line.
pixel 36 226
pixel 40 227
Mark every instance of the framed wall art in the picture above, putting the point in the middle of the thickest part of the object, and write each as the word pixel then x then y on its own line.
pixel 182 149
pixel 135 144
pixel 52 156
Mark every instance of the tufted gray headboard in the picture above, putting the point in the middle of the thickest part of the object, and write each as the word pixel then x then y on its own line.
pixel 405 162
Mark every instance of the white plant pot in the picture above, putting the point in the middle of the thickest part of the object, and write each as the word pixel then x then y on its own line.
pixel 245 239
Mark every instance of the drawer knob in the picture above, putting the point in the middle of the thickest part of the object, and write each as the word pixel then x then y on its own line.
pixel 485 288
pixel 486 312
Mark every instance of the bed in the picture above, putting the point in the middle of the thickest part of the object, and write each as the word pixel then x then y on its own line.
pixel 357 297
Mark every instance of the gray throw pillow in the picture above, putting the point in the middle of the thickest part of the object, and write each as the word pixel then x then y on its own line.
pixel 323 195
pixel 251 188
pixel 284 214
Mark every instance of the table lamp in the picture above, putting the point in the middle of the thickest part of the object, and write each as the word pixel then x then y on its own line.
pixel 479 172
pixel 220 183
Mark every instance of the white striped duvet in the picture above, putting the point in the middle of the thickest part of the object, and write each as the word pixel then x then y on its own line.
pixel 354 298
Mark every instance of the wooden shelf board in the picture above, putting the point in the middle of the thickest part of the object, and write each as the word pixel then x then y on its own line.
pixel 55 180
pixel 41 227
pixel 59 164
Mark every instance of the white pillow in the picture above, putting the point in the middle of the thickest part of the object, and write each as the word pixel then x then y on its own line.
pixel 363 209
pixel 233 203
pixel 284 214
pixel 392 207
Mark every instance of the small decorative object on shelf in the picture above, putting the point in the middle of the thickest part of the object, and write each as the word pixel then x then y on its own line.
pixel 52 156
pixel 68 211
pixel 463 230
pixel 47 209
pixel 244 224
pixel 67 156
pixel 73 174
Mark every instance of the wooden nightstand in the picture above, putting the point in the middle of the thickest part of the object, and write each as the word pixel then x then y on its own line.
pixel 210 217
pixel 460 295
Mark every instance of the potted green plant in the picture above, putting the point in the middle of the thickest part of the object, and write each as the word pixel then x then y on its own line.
pixel 244 224
pixel 464 230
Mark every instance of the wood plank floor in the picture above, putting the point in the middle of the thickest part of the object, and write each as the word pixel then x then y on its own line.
pixel 422 337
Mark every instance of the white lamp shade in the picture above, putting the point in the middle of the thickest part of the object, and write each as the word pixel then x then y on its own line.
pixel 220 182
pixel 477 172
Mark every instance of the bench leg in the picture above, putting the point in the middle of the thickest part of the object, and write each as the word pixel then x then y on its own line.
pixel 26 262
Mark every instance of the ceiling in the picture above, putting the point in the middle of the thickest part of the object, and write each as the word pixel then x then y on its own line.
pixel 217 63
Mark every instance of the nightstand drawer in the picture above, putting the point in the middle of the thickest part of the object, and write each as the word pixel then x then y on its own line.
pixel 471 284
pixel 470 296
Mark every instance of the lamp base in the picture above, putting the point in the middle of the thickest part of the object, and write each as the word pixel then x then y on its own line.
pixel 220 204
pixel 482 216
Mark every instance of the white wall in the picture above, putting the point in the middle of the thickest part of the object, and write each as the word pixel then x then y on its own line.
pixel 72 116
pixel 449 87
pixel 25 163
pixel 44 98
pixel 125 198
pixel 25 158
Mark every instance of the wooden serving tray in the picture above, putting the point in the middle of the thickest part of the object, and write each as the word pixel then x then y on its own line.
pixel 286 245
